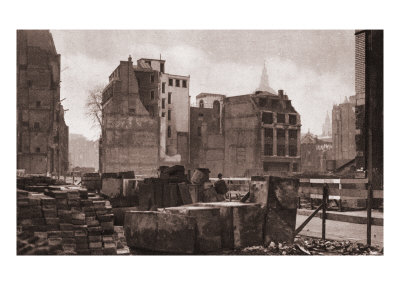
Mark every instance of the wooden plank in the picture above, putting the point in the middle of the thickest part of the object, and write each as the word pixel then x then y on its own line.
pixel 301 227
pixel 331 197
pixel 304 180
pixel 325 180
pixel 324 202
pixel 363 180
pixel 310 190
pixel 369 215
pixel 349 193
pixel 232 179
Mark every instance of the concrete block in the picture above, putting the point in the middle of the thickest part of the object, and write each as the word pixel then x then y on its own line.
pixel 196 192
pixel 146 195
pixel 119 214
pixel 283 192
pixel 184 193
pixel 208 233
pixel 241 223
pixel 280 222
pixel 112 187
pixel 162 232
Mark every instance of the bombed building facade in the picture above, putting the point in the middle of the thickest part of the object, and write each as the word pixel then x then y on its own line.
pixel 247 135
pixel 146 118
pixel 42 135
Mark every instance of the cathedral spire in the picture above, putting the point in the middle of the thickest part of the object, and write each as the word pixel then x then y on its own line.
pixel 264 82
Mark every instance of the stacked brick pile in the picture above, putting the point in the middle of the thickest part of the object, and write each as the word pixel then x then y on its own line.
pixel 70 222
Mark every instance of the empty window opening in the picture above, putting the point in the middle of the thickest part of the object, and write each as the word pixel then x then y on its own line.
pixel 37 149
pixel 152 78
pixel 267 117
pixel 292 119
pixel 152 95
pixel 162 67
pixel 268 149
pixel 199 131
pixel 280 118
pixel 184 83
pixel 169 131
pixel 201 104
pixel 163 87
pixel 268 133
pixel 170 82
pixel 280 133
pixel 37 103
pixel 169 115
pixel 292 150
pixel 163 103
pixel 169 98
pixel 293 134
pixel 281 150
pixel 177 82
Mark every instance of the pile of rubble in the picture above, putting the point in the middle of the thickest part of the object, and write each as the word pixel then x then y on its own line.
pixel 67 221
pixel 310 246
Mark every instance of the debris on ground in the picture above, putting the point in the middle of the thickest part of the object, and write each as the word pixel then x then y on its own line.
pixel 310 246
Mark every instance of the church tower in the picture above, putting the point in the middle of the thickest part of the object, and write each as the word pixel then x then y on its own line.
pixel 327 127
pixel 264 82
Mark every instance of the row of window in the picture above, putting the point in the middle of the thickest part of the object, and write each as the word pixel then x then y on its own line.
pixel 280 133
pixel 268 118
pixel 280 150
pixel 177 83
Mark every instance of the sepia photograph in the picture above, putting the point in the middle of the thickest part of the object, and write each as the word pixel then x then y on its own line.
pixel 199 150
pixel 217 142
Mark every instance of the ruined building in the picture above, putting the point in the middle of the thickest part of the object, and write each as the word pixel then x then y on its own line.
pixel 327 127
pixel 369 103
pixel 343 131
pixel 167 96
pixel 146 118
pixel 42 135
pixel 259 134
pixel 315 152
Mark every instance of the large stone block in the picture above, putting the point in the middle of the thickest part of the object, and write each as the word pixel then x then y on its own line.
pixel 146 195
pixel 163 232
pixel 119 214
pixel 208 233
pixel 241 223
pixel 112 187
pixel 196 192
pixel 280 222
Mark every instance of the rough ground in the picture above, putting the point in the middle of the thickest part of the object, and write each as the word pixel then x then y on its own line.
pixel 310 246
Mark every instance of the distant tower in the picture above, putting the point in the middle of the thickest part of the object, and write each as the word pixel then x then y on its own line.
pixel 264 82
pixel 327 127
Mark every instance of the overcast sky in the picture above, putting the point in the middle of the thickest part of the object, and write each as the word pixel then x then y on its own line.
pixel 314 68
